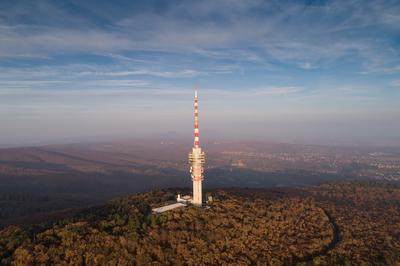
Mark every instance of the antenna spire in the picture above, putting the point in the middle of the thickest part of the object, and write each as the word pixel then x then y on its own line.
pixel 196 119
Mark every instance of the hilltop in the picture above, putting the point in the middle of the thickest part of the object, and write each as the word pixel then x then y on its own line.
pixel 334 223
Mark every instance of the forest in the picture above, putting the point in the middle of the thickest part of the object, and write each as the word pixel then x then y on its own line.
pixel 336 223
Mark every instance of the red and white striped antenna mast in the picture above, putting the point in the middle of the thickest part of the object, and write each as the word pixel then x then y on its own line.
pixel 196 119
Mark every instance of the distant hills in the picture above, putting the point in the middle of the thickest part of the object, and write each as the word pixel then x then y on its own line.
pixel 58 178
pixel 35 181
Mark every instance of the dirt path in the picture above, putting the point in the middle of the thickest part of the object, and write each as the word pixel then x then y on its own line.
pixel 326 249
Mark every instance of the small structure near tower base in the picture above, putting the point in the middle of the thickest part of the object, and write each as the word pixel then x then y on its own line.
pixel 168 207
pixel 184 199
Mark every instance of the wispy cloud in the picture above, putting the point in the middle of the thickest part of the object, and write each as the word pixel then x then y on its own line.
pixel 254 93
pixel 306 65
pixel 396 83
pixel 291 35
pixel 277 91
pixel 62 87
pixel 165 74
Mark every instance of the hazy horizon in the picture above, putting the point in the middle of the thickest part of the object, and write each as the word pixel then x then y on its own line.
pixel 315 72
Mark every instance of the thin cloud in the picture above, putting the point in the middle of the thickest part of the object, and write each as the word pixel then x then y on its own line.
pixel 396 83
pixel 165 74
pixel 254 92
pixel 306 65
pixel 290 35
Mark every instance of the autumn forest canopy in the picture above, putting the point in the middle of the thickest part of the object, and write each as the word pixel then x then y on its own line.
pixel 334 223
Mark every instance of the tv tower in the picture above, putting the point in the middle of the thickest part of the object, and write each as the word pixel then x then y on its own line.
pixel 197 157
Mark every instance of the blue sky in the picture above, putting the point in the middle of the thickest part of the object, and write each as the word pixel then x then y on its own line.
pixel 292 71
